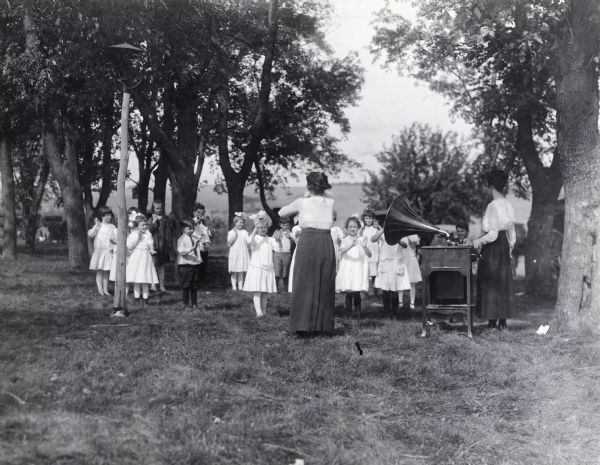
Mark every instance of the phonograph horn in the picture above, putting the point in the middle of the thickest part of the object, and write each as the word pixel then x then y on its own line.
pixel 401 221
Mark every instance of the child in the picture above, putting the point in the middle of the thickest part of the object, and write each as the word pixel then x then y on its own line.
pixel 295 236
pixel 204 231
pixel 260 279
pixel 281 243
pixel 102 233
pixel 188 263
pixel 140 266
pixel 353 274
pixel 409 245
pixel 462 233
pixel 237 241
pixel 392 275
pixel 132 212
pixel 371 227
pixel 337 235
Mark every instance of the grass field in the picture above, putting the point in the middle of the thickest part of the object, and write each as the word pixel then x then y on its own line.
pixel 218 386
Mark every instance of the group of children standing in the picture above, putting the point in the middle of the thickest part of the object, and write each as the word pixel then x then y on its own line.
pixel 365 261
pixel 257 262
pixel 141 271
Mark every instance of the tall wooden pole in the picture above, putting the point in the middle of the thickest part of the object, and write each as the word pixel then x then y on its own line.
pixel 120 301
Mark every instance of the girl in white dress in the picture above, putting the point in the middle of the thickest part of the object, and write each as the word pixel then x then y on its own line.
pixel 140 266
pixel 296 232
pixel 237 241
pixel 410 244
pixel 392 274
pixel 353 274
pixel 370 228
pixel 260 278
pixel 337 234
pixel 104 234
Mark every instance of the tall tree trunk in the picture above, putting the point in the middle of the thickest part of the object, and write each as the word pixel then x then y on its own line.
pixel 142 189
pixel 182 167
pixel 236 179
pixel 578 140
pixel 546 183
pixel 235 196
pixel 161 176
pixel 30 216
pixel 262 193
pixel 64 169
pixel 9 246
pixel 108 132
pixel 186 159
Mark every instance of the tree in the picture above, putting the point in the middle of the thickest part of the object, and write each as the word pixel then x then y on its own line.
pixel 9 246
pixel 280 91
pixel 495 62
pixel 430 169
pixel 578 303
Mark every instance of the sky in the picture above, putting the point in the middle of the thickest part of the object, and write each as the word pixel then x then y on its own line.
pixel 389 102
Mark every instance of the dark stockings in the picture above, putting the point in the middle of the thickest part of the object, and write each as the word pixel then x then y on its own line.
pixel 353 297
pixel 500 324
pixel 391 302
pixel 190 292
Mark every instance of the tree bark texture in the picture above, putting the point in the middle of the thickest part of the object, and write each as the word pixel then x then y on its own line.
pixel 182 167
pixel 32 206
pixel 578 300
pixel 161 176
pixel 64 169
pixel 9 242
pixel 546 183
pixel 182 150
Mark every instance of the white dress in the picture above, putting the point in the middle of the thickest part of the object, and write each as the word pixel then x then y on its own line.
pixel 140 266
pixel 337 234
pixel 238 251
pixel 392 273
pixel 410 258
pixel 369 232
pixel 296 231
pixel 261 273
pixel 102 257
pixel 353 273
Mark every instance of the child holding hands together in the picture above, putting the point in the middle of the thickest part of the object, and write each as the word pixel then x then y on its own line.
pixel 353 273
pixel 260 279
pixel 104 234
pixel 237 241
pixel 140 266
pixel 188 263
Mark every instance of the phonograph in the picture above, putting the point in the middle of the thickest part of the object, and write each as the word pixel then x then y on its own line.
pixel 446 270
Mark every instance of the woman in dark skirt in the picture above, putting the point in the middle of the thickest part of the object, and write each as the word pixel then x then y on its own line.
pixel 313 287
pixel 494 272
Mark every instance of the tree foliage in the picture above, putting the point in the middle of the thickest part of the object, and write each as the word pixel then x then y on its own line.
pixel 431 170
pixel 496 62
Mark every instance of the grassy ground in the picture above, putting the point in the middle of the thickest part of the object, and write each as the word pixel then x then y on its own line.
pixel 218 386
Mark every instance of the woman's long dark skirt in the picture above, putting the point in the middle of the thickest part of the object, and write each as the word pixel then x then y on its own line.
pixel 313 288
pixel 494 280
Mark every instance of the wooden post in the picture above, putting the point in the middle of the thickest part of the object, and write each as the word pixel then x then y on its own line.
pixel 120 301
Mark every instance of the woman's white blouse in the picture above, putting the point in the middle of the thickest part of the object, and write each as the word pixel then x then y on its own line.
pixel 499 216
pixel 313 212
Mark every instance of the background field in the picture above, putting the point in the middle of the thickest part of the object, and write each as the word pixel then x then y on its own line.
pixel 218 386
pixel 349 199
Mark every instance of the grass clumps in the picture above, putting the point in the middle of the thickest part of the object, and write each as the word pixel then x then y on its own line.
pixel 218 386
